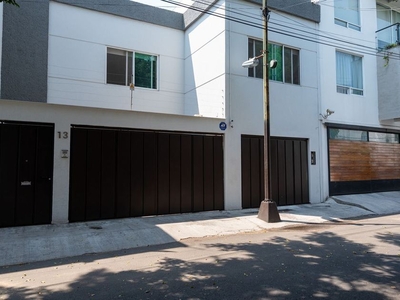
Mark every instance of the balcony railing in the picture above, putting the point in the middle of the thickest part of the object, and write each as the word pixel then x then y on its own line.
pixel 388 36
pixel 349 90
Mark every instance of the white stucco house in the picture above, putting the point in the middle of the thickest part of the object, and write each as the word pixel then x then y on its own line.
pixel 124 110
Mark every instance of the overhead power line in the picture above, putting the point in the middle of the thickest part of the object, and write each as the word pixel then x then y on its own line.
pixel 315 37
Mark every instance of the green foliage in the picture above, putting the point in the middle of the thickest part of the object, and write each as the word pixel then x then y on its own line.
pixel 386 59
pixel 390 46
pixel 387 53
pixel 13 2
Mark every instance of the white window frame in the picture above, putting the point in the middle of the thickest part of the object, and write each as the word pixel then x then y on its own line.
pixel 350 88
pixel 252 71
pixel 346 23
pixel 156 81
pixel 128 80
pixel 120 52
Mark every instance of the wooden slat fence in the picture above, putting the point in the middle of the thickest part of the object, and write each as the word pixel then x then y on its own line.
pixel 360 161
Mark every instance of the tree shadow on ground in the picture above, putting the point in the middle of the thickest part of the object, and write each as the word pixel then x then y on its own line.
pixel 390 238
pixel 315 265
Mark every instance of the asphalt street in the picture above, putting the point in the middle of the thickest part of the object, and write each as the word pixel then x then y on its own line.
pixel 345 259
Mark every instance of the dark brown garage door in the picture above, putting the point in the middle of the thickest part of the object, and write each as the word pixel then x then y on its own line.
pixel 26 172
pixel 117 173
pixel 289 171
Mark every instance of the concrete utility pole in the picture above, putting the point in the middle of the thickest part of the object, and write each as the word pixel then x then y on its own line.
pixel 268 211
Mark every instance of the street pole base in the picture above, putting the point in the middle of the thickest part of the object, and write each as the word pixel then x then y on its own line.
pixel 269 212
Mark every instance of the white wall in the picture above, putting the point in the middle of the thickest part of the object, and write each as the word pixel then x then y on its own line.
pixel 77 60
pixel 293 108
pixel 349 109
pixel 204 83
pixel 64 116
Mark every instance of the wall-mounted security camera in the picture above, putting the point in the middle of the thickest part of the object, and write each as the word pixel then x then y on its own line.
pixel 327 114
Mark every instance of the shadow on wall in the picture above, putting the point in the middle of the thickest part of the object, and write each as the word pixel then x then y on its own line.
pixel 191 105
pixel 275 269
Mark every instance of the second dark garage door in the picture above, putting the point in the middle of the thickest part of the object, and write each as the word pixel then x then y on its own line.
pixel 289 171
pixel 117 173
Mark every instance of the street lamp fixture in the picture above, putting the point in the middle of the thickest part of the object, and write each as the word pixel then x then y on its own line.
pixel 268 211
pixel 253 62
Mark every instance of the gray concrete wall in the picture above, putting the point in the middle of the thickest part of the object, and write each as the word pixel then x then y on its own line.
pixel 196 11
pixel 132 10
pixel 388 90
pixel 299 8
pixel 25 51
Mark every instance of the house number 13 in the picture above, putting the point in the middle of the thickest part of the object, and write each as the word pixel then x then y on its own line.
pixel 62 134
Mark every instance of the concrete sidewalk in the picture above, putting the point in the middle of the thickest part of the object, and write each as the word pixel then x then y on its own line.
pixel 36 243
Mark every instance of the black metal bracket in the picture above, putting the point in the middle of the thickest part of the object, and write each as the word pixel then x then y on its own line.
pixel 265 12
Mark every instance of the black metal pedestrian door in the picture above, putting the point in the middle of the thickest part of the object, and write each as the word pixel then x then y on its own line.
pixel 26 173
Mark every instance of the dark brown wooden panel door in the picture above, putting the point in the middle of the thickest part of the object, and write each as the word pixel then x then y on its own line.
pixel 198 173
pixel 137 180
pixel 44 175
pixel 77 182
pixel 26 174
pixel 289 171
pixel 218 173
pixel 186 178
pixel 252 171
pixel 150 173
pixel 175 174
pixel 93 179
pixel 123 175
pixel 137 173
pixel 163 173
pixel 108 174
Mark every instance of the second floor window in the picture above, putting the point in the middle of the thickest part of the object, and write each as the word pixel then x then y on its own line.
pixel 347 13
pixel 125 67
pixel 119 67
pixel 349 74
pixel 288 67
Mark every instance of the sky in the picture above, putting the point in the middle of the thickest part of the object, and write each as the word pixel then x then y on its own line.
pixel 165 5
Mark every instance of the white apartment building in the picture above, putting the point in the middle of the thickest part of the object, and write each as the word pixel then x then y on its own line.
pixel 361 137
pixel 124 110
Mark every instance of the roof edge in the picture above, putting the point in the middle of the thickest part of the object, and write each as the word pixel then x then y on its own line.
pixel 298 8
pixel 132 10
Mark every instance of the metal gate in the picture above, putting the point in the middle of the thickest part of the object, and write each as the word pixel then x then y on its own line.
pixel 26 173
pixel 289 171
pixel 117 173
